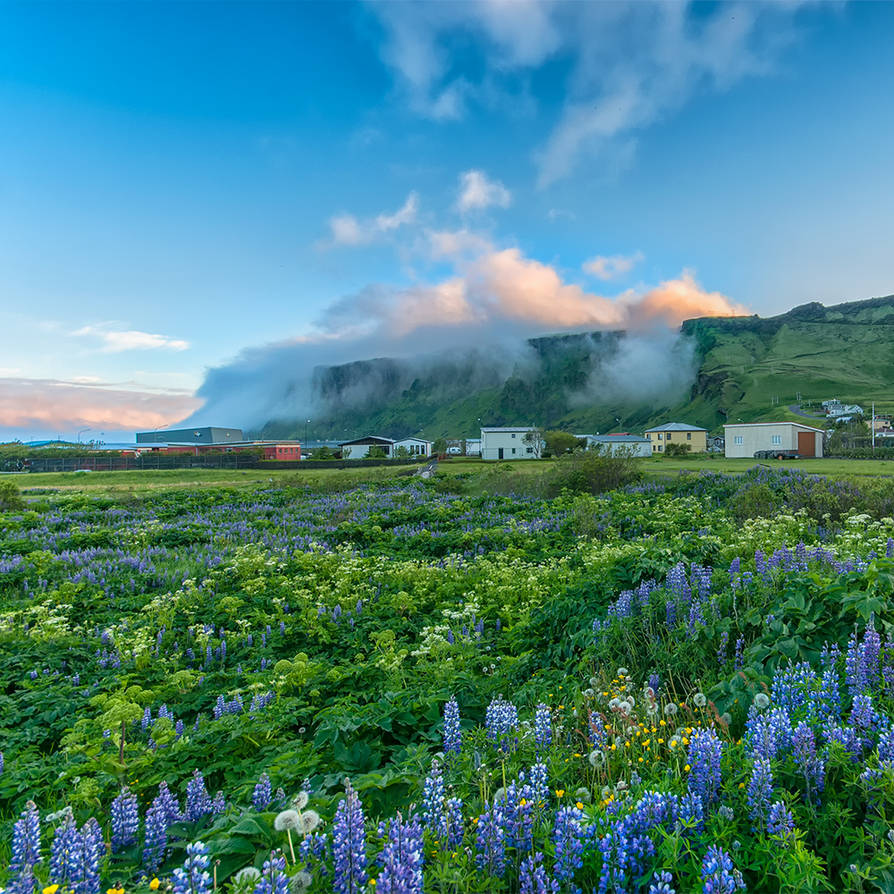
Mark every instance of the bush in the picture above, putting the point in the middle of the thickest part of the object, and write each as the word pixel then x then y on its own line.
pixel 678 450
pixel 10 498
pixel 591 473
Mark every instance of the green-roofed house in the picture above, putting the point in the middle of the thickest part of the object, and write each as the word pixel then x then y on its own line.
pixel 678 433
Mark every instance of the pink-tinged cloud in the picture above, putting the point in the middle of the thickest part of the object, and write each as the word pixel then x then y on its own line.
pixel 55 404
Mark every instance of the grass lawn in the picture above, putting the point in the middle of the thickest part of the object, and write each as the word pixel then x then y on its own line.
pixel 708 462
pixel 166 479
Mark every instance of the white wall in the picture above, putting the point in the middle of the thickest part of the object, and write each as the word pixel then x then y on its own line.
pixel 760 437
pixel 416 446
pixel 361 451
pixel 512 443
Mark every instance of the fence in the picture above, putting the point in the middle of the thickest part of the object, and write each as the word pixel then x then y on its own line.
pixel 228 461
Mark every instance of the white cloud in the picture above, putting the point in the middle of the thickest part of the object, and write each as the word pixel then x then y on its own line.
pixel 607 267
pixel 58 404
pixel 631 64
pixel 476 192
pixel 345 229
pixel 114 341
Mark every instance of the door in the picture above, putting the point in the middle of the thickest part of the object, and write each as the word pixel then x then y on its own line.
pixel 806 443
pixel 500 453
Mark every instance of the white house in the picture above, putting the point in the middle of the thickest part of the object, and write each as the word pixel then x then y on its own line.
pixel 632 445
pixel 359 448
pixel 473 446
pixel 745 439
pixel 509 443
pixel 414 446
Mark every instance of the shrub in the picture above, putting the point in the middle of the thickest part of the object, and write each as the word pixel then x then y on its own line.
pixel 10 498
pixel 591 473
pixel 678 450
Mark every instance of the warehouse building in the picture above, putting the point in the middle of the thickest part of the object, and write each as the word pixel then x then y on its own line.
pixel 509 443
pixel 623 443
pixel 746 439
pixel 206 435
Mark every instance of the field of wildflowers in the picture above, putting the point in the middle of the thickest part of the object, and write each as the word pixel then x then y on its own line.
pixel 681 686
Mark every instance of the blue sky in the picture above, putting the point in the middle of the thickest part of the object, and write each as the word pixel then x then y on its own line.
pixel 182 183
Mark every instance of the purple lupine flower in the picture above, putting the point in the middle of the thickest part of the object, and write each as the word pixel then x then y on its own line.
pixel 349 844
pixel 661 884
pixel 812 766
pixel 94 851
pixel 501 720
pixel 705 753
pixel 2 764
pixel 721 649
pixel 452 732
pixel 168 803
pixel 67 855
pixel 455 823
pixel 125 820
pixel 193 877
pixel 760 788
pixel 539 785
pixel 155 844
pixel 273 878
pixel 219 804
pixel 262 794
pixel 532 877
pixel 25 841
pixel 543 733
pixel 434 813
pixel 780 821
pixel 198 801
pixel 490 841
pixel 718 874
pixel 568 836
pixel 740 653
pixel 401 857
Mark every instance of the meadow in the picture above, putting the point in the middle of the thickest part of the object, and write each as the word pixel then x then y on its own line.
pixel 355 683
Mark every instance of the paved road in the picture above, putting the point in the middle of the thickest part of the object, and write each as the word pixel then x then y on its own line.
pixel 796 409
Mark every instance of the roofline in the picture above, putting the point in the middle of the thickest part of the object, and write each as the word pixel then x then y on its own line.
pixel 777 422
pixel 685 427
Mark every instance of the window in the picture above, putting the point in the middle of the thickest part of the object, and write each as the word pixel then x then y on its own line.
pixel 659 436
pixel 689 436
pixel 738 439
pixel 777 439
pixel 513 449
pixel 530 450
pixel 513 435
pixel 668 437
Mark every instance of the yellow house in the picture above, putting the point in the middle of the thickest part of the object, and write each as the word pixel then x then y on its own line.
pixel 678 433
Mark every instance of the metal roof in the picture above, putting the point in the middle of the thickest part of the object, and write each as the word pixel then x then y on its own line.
pixel 675 426
pixel 618 439
pixel 508 428
pixel 749 424
pixel 369 439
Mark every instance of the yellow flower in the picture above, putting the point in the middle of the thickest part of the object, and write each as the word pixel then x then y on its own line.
pixel 560 792
pixel 154 884
pixel 372 883
pixel 687 768
pixel 741 785
pixel 51 889
pixel 579 805
pixel 522 803
pixel 640 760
pixel 646 743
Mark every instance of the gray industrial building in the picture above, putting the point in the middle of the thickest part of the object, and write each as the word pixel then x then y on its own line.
pixel 207 435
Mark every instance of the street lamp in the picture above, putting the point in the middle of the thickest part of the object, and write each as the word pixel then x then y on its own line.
pixel 82 432
pixel 306 423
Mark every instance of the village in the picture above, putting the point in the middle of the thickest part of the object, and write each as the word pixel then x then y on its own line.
pixel 738 440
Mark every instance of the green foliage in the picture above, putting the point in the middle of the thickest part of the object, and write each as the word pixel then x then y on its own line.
pixel 559 443
pixel 675 449
pixel 10 498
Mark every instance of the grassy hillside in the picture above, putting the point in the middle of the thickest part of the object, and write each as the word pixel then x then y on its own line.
pixel 746 368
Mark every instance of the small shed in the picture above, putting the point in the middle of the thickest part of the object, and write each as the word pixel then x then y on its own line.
pixel 745 439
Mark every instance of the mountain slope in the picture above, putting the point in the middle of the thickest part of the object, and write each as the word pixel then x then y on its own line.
pixel 739 368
